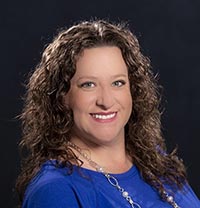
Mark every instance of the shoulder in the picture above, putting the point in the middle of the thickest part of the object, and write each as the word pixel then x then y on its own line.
pixel 187 197
pixel 53 187
pixel 49 174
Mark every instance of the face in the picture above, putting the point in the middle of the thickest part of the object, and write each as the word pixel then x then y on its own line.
pixel 100 96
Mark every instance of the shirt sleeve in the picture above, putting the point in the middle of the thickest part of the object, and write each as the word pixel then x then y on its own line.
pixel 54 194
pixel 190 197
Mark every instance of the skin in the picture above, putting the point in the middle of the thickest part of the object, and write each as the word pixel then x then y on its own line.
pixel 101 102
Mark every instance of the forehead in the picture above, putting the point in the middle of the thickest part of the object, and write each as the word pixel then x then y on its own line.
pixel 101 60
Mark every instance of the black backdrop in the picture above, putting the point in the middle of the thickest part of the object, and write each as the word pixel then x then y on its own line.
pixel 168 32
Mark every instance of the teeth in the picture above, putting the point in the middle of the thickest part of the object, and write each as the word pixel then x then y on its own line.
pixel 104 116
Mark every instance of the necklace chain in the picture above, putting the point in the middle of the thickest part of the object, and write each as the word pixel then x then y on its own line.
pixel 114 182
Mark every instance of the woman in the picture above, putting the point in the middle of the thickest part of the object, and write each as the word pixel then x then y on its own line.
pixel 91 127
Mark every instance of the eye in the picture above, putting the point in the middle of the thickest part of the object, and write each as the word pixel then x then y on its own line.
pixel 118 83
pixel 87 85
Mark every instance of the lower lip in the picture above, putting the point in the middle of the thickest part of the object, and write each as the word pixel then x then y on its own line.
pixel 105 120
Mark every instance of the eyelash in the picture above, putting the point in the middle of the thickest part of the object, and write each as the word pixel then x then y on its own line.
pixel 87 85
pixel 122 82
pixel 117 83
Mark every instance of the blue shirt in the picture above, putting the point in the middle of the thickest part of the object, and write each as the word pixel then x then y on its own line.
pixel 54 188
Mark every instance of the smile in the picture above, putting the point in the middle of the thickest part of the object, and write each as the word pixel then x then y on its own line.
pixel 103 116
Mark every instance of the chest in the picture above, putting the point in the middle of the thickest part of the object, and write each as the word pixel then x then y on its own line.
pixel 100 193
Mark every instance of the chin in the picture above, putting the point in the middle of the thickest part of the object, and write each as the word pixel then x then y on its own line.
pixel 106 138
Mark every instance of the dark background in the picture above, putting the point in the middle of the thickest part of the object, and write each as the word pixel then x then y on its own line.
pixel 168 32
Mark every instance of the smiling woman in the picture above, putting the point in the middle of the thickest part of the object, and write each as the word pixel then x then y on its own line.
pixel 100 98
pixel 91 127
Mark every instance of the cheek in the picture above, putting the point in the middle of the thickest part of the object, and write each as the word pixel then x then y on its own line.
pixel 80 103
pixel 81 107
pixel 128 102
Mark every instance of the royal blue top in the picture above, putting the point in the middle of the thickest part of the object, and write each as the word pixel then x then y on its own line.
pixel 53 187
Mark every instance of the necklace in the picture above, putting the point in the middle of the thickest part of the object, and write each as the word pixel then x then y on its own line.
pixel 114 182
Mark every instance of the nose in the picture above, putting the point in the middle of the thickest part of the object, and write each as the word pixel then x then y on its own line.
pixel 105 98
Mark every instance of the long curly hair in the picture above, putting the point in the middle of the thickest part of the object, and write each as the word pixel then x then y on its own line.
pixel 47 122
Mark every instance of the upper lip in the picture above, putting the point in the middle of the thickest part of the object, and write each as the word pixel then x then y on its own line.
pixel 103 113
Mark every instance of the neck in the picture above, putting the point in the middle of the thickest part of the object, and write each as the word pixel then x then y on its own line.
pixel 112 158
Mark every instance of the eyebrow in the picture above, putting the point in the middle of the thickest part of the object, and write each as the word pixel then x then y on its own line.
pixel 120 75
pixel 93 77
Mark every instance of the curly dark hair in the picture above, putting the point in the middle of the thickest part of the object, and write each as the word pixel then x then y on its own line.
pixel 47 122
